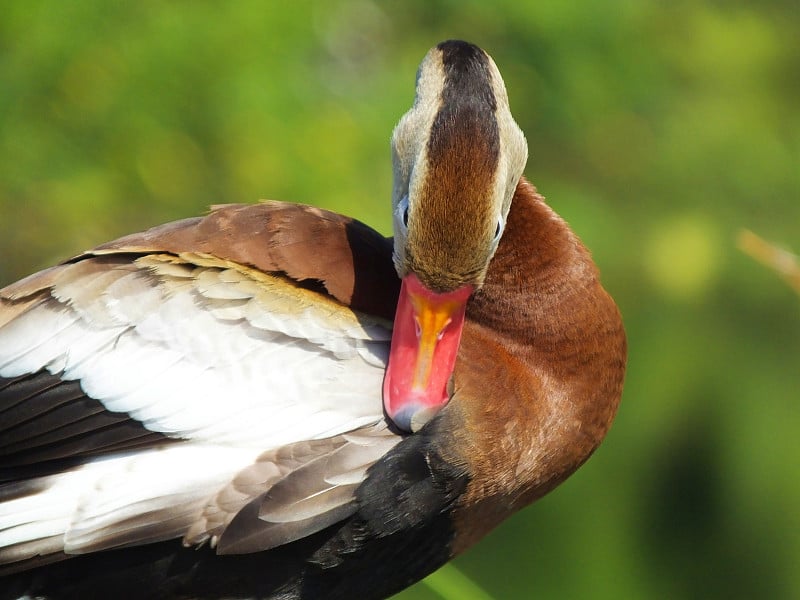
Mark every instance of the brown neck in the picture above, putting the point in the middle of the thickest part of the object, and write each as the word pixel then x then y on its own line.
pixel 541 364
pixel 543 299
pixel 540 269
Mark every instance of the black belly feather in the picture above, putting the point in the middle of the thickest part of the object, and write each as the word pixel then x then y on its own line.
pixel 368 569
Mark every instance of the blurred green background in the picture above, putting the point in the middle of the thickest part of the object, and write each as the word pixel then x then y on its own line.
pixel 657 129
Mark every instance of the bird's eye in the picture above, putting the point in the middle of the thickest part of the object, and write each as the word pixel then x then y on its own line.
pixel 401 215
pixel 498 230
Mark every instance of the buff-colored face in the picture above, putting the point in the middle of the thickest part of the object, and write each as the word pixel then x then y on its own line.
pixel 457 157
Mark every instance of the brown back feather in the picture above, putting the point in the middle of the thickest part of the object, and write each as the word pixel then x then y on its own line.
pixel 351 261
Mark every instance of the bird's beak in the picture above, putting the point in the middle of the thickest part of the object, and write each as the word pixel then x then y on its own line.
pixel 427 331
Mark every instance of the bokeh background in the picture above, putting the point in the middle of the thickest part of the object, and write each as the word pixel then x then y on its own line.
pixel 657 129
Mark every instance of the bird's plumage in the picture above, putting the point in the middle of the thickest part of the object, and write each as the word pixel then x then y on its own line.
pixel 195 410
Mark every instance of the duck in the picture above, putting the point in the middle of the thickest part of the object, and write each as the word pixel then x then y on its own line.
pixel 276 401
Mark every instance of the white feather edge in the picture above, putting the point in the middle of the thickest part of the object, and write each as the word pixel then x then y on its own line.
pixel 93 501
pixel 290 367
pixel 234 361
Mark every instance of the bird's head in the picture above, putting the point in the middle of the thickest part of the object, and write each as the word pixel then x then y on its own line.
pixel 457 157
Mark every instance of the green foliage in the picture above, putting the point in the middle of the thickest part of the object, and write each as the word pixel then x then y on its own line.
pixel 657 129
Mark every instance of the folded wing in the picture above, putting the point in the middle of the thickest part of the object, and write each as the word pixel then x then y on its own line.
pixel 152 390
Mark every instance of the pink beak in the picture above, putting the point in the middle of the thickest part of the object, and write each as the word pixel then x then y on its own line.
pixel 427 332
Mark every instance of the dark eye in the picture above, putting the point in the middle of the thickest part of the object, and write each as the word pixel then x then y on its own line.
pixel 498 230
pixel 401 214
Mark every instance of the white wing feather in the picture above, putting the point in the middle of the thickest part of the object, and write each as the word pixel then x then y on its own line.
pixel 234 362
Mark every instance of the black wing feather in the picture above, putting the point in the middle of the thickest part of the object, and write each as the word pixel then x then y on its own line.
pixel 45 420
